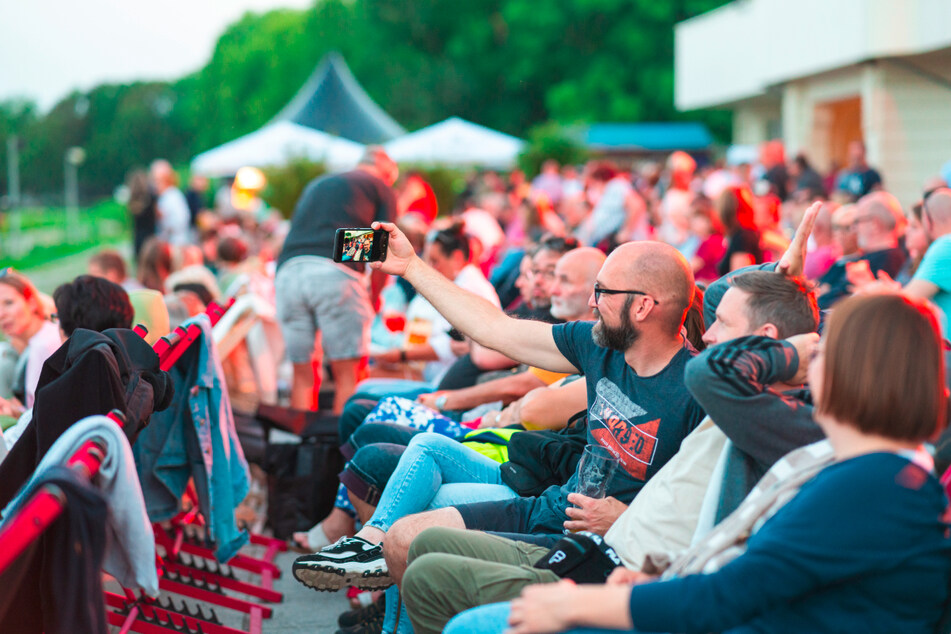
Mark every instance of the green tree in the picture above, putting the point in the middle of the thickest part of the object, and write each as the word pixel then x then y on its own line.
pixel 506 64
pixel 550 141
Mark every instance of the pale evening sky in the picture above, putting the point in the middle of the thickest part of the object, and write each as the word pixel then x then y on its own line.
pixel 50 47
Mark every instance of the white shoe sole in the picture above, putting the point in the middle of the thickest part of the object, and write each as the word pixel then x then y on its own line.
pixel 328 578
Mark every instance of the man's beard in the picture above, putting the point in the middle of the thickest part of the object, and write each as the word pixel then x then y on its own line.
pixel 540 303
pixel 567 310
pixel 618 338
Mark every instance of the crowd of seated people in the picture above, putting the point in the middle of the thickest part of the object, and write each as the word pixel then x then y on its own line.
pixel 764 476
pixel 712 447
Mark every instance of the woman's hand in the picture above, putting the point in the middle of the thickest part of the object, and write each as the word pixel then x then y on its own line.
pixel 543 608
pixel 557 606
pixel 429 399
pixel 391 356
pixel 622 576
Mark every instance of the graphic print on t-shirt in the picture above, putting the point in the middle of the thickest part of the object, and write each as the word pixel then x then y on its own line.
pixel 609 421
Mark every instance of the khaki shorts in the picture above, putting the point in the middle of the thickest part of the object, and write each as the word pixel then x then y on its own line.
pixel 315 294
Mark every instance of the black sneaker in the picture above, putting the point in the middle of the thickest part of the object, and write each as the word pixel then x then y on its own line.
pixel 370 626
pixel 363 613
pixel 352 561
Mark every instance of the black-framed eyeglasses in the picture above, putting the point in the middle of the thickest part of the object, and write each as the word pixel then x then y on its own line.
pixel 600 290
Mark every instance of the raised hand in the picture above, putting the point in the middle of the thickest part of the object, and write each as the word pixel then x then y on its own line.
pixel 791 264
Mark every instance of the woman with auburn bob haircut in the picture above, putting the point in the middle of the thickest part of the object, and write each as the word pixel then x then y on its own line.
pixel 882 370
pixel 862 547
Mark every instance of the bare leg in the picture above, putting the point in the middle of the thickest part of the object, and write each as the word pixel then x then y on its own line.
pixel 336 525
pixel 371 534
pixel 404 531
pixel 347 373
pixel 302 388
pixel 364 510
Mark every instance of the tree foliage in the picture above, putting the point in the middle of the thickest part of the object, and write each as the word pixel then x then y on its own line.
pixel 285 184
pixel 506 64
pixel 550 141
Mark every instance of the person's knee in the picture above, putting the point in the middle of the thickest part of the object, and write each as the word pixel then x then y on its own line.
pixel 401 535
pixel 431 442
pixel 370 433
pixel 428 576
pixel 369 471
pixel 398 539
pixel 430 540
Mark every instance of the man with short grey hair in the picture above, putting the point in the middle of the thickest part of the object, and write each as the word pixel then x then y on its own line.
pixel 315 294
pixel 879 223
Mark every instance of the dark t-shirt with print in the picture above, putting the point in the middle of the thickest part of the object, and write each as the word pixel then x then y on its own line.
pixel 640 420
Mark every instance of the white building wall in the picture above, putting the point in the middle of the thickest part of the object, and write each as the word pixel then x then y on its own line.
pixel 741 49
pixel 752 121
pixel 912 129
pixel 905 119
pixel 808 130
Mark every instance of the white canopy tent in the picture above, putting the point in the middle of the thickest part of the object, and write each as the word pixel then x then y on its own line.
pixel 458 142
pixel 276 144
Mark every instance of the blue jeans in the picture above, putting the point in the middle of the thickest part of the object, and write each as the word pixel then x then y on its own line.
pixel 494 619
pixel 396 606
pixel 434 472
pixel 485 619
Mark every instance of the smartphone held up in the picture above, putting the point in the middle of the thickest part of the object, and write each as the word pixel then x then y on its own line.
pixel 360 245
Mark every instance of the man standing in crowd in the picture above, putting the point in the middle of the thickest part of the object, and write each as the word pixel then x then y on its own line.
pixel 857 179
pixel 172 211
pixel 314 294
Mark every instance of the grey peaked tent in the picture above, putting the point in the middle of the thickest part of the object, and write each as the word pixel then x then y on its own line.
pixel 332 101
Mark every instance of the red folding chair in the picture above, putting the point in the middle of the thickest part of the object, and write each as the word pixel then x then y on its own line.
pixel 188 567
pixel 188 570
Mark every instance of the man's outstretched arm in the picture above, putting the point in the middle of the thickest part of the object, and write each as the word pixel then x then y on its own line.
pixel 525 341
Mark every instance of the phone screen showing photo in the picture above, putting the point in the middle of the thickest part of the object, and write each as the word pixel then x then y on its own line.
pixel 357 245
pixel 360 245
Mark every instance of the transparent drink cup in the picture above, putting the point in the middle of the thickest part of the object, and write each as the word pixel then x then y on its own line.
pixel 595 471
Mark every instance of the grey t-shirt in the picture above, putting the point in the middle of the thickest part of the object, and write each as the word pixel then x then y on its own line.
pixel 337 201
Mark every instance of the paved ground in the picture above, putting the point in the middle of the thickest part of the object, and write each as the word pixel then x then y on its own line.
pixel 303 609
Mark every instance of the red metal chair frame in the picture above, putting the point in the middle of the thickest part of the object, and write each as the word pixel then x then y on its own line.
pixel 202 583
